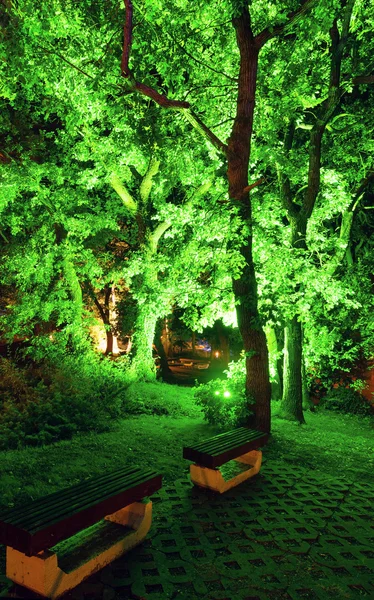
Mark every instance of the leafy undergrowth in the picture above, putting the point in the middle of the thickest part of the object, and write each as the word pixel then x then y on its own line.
pixel 329 442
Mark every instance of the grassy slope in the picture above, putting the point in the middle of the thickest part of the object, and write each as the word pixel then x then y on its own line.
pixel 329 442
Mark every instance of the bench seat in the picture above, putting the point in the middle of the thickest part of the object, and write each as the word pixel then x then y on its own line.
pixel 42 523
pixel 33 532
pixel 239 444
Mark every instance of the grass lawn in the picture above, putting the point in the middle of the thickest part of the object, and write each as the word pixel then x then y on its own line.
pixel 329 442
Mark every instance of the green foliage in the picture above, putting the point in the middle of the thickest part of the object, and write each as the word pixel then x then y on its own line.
pixel 28 415
pixel 44 402
pixel 223 401
pixel 346 400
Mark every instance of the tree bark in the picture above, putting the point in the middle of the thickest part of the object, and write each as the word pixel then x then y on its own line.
pixel 292 400
pixel 142 363
pixel 276 382
pixel 224 345
pixel 193 343
pixel 258 389
pixel 105 316
pixel 307 400
pixel 165 338
pixel 165 371
pixel 292 391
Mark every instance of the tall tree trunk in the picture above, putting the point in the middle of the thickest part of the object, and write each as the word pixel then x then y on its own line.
pixel 193 343
pixel 292 390
pixel 165 338
pixel 107 324
pixel 292 400
pixel 165 371
pixel 245 286
pixel 142 363
pixel 104 313
pixel 279 333
pixel 272 343
pixel 298 216
pixel 224 344
pixel 307 400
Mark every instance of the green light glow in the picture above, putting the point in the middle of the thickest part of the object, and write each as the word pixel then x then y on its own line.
pixel 226 394
pixel 216 393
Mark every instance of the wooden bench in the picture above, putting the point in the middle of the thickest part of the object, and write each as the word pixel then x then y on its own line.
pixel 239 444
pixel 102 518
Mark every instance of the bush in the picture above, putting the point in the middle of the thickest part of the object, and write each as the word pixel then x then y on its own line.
pixel 346 400
pixel 223 401
pixel 44 402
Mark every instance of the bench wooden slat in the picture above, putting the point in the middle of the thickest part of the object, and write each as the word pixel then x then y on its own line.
pixel 72 500
pixel 216 451
pixel 220 436
pixel 92 483
pixel 212 444
pixel 57 514
pixel 46 534
pixel 226 439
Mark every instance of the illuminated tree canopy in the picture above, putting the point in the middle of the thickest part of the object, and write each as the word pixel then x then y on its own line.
pixel 213 157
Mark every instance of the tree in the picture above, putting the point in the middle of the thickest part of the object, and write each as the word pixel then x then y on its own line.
pixel 237 154
pixel 313 108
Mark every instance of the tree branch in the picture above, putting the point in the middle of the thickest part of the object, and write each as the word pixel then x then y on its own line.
pixel 283 179
pixel 146 184
pixel 269 32
pixel 328 107
pixel 346 225
pixel 102 311
pixel 363 185
pixel 125 196
pixel 363 79
pixel 198 124
pixel 160 99
pixel 67 61
pixel 200 191
pixel 127 35
pixel 155 236
pixel 253 185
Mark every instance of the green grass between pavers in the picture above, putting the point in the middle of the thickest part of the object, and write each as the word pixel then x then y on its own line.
pixel 329 442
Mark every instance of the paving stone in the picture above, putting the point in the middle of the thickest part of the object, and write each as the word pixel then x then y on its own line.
pixel 304 592
pixel 363 490
pixel 256 542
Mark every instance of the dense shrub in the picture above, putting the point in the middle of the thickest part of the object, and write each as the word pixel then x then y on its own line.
pixel 44 402
pixel 345 400
pixel 223 401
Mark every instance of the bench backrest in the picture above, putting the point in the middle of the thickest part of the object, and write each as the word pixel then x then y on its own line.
pixel 42 523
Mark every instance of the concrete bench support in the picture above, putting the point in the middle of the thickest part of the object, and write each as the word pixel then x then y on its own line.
pixel 214 480
pixel 41 573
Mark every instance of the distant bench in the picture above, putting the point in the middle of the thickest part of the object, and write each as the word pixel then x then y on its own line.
pixel 239 444
pixel 38 559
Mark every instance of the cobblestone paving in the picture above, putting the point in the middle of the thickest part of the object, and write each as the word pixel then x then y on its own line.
pixel 288 534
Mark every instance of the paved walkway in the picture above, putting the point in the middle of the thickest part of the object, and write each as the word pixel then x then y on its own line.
pixel 288 534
